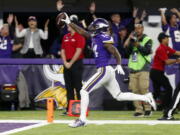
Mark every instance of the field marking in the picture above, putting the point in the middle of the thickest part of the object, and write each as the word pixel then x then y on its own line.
pixel 41 123
pixel 98 122
pixel 23 128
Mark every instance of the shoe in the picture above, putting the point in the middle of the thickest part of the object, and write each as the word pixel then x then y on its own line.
pixel 167 118
pixel 147 113
pixel 151 101
pixel 64 114
pixel 77 123
pixel 137 114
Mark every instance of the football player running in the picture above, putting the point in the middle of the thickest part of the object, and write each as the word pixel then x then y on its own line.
pixel 102 44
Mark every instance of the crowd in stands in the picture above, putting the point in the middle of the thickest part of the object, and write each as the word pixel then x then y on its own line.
pixel 19 42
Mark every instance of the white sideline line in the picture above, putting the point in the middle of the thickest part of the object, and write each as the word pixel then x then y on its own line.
pixel 23 128
pixel 149 122
pixel 41 123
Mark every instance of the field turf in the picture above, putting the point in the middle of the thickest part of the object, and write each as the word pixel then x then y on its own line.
pixel 91 129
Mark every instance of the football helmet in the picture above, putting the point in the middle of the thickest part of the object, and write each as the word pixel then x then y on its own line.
pixel 99 25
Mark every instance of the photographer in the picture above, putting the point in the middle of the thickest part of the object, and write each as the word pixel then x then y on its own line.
pixel 139 47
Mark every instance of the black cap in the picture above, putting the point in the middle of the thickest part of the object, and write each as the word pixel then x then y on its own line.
pixel 122 28
pixel 162 36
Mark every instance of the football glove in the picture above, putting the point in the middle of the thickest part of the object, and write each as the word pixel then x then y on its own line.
pixel 67 19
pixel 119 70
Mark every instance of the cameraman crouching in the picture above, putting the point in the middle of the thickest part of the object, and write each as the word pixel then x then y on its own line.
pixel 139 47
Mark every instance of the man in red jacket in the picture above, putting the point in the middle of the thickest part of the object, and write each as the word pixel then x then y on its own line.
pixel 161 59
pixel 72 54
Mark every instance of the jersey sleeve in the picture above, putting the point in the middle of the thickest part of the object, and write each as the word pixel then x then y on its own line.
pixel 165 27
pixel 106 39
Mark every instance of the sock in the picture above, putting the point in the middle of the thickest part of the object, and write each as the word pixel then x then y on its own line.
pixel 84 104
pixel 128 96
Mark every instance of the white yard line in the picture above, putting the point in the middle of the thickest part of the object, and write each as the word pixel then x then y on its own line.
pixel 97 121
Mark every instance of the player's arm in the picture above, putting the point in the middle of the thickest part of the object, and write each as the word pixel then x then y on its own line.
pixel 80 30
pixel 76 27
pixel 114 52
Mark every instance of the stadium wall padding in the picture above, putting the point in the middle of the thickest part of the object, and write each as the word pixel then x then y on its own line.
pixel 32 70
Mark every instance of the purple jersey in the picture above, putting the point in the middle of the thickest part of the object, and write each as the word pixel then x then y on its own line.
pixel 5 47
pixel 174 33
pixel 122 24
pixel 101 54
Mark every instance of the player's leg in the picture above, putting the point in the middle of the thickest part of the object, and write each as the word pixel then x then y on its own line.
pixel 113 87
pixel 93 83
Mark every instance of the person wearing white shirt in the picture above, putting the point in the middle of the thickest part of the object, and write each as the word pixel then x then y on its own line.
pixel 32 45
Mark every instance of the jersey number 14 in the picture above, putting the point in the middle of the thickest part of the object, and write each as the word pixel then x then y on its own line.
pixel 95 50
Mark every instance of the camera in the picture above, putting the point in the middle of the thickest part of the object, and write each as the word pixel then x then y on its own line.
pixel 134 36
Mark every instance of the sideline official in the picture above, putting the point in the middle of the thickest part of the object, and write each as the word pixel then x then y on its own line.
pixel 72 54
pixel 157 75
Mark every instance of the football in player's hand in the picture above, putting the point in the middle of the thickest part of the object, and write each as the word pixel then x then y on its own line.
pixel 59 21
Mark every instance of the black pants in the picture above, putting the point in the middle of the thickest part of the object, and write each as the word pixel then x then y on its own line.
pixel 73 80
pixel 31 54
pixel 175 101
pixel 160 80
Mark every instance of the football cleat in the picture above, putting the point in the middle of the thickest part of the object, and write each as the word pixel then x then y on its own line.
pixel 151 101
pixel 166 118
pixel 77 123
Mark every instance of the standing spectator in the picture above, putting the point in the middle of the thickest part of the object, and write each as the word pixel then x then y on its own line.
pixel 139 46
pixel 118 23
pixel 122 38
pixel 32 44
pixel 91 15
pixel 61 7
pixel 123 34
pixel 157 76
pixel 18 44
pixel 171 26
pixel 72 55
pixel 6 42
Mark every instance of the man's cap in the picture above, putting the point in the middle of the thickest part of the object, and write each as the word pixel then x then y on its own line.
pixel 122 28
pixel 32 18
pixel 138 24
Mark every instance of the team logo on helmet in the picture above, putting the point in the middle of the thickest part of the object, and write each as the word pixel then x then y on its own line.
pixel 99 25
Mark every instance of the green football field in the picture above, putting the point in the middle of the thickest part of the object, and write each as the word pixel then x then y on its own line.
pixel 93 129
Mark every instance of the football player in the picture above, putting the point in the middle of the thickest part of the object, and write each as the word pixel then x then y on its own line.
pixel 102 44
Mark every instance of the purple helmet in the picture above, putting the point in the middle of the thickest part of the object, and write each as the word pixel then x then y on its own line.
pixel 99 25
